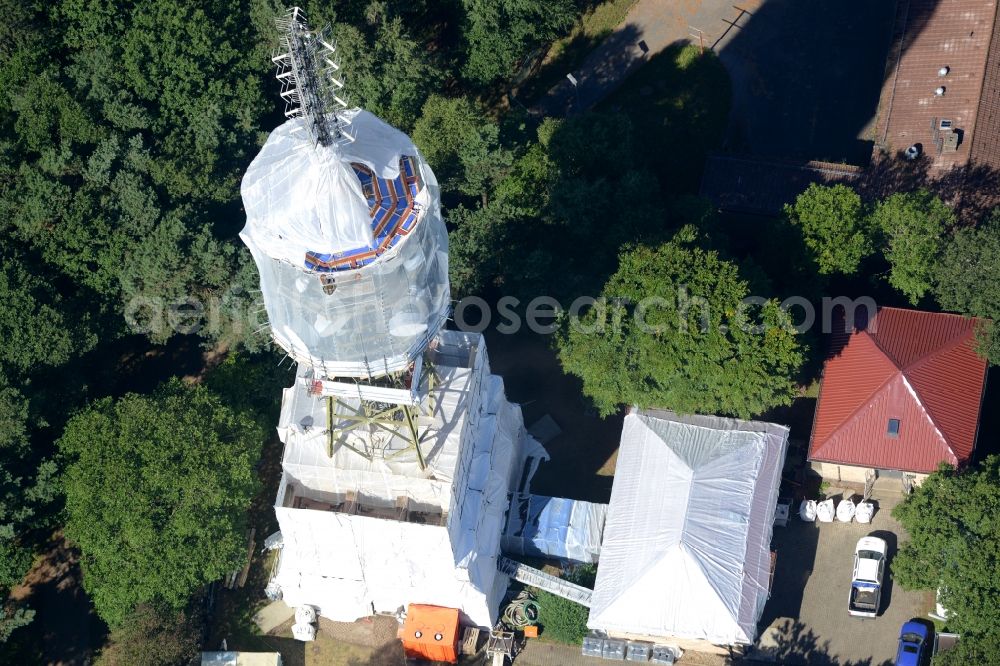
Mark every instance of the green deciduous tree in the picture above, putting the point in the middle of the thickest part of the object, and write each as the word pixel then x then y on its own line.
pixel 500 243
pixel 36 327
pixel 15 509
pixel 500 32
pixel 487 249
pixel 953 521
pixel 913 224
pixel 967 279
pixel 674 334
pixel 388 71
pixel 461 145
pixel 123 135
pixel 558 214
pixel 834 227
pixel 157 490
pixel 26 486
pixel 187 74
pixel 252 383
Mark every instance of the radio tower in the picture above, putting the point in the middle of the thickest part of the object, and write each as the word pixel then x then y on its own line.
pixel 400 447
pixel 308 76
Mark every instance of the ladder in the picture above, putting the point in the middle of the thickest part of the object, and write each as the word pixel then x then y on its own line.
pixel 543 581
pixel 871 476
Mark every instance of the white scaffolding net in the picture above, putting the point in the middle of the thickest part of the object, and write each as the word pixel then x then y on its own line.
pixel 350 246
pixel 373 534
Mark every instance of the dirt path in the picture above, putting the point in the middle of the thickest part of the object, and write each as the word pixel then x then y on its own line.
pixel 66 631
pixel 650 27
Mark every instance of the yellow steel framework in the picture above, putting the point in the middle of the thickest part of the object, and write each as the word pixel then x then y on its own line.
pixel 399 421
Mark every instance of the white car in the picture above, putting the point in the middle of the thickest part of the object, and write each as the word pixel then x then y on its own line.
pixel 866 583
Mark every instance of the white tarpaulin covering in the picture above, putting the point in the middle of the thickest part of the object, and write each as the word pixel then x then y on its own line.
pixel 240 659
pixel 348 564
pixel 301 197
pixel 306 203
pixel 567 529
pixel 686 549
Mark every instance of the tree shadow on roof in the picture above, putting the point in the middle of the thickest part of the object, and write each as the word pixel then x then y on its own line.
pixel 974 190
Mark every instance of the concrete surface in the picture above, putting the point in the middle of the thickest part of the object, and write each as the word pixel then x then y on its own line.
pixel 648 28
pixel 807 613
pixel 272 616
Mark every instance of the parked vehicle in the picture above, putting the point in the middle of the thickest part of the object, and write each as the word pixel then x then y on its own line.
pixel 869 569
pixel 913 641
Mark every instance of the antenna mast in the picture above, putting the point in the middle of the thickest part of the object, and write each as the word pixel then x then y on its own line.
pixel 310 85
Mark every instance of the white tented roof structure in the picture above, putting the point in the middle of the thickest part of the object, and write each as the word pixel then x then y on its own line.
pixel 686 551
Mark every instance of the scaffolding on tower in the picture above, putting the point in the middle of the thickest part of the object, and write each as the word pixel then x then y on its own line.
pixel 400 448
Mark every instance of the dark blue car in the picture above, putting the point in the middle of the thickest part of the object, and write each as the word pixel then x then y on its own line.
pixel 913 638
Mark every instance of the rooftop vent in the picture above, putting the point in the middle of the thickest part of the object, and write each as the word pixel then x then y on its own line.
pixel 949 141
pixel 939 91
pixel 944 71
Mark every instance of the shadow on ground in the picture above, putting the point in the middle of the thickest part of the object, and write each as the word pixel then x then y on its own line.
pixel 602 75
pixel 573 52
pixel 798 644
pixel 796 552
pixel 806 77
pixel 66 630
pixel 582 464
pixel 390 654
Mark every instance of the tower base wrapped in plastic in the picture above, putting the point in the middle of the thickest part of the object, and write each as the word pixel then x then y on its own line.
pixel 371 522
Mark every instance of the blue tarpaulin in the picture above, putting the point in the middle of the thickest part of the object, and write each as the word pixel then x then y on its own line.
pixel 554 527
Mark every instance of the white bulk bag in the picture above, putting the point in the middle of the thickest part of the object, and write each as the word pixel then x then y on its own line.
pixel 807 510
pixel 305 615
pixel 304 632
pixel 824 511
pixel 846 510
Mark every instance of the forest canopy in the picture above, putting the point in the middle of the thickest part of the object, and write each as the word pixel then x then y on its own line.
pixel 125 130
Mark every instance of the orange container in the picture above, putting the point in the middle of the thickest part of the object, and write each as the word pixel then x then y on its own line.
pixel 431 633
pixel 531 631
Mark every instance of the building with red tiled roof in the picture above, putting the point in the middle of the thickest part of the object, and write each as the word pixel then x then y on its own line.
pixel 935 80
pixel 901 393
pixel 985 150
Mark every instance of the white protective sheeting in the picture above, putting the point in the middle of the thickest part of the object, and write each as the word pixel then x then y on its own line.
pixel 302 426
pixel 350 565
pixel 686 549
pixel 240 659
pixel 304 198
pixel 301 197
pixel 540 526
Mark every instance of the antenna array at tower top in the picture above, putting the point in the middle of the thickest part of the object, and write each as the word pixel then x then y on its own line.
pixel 310 86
